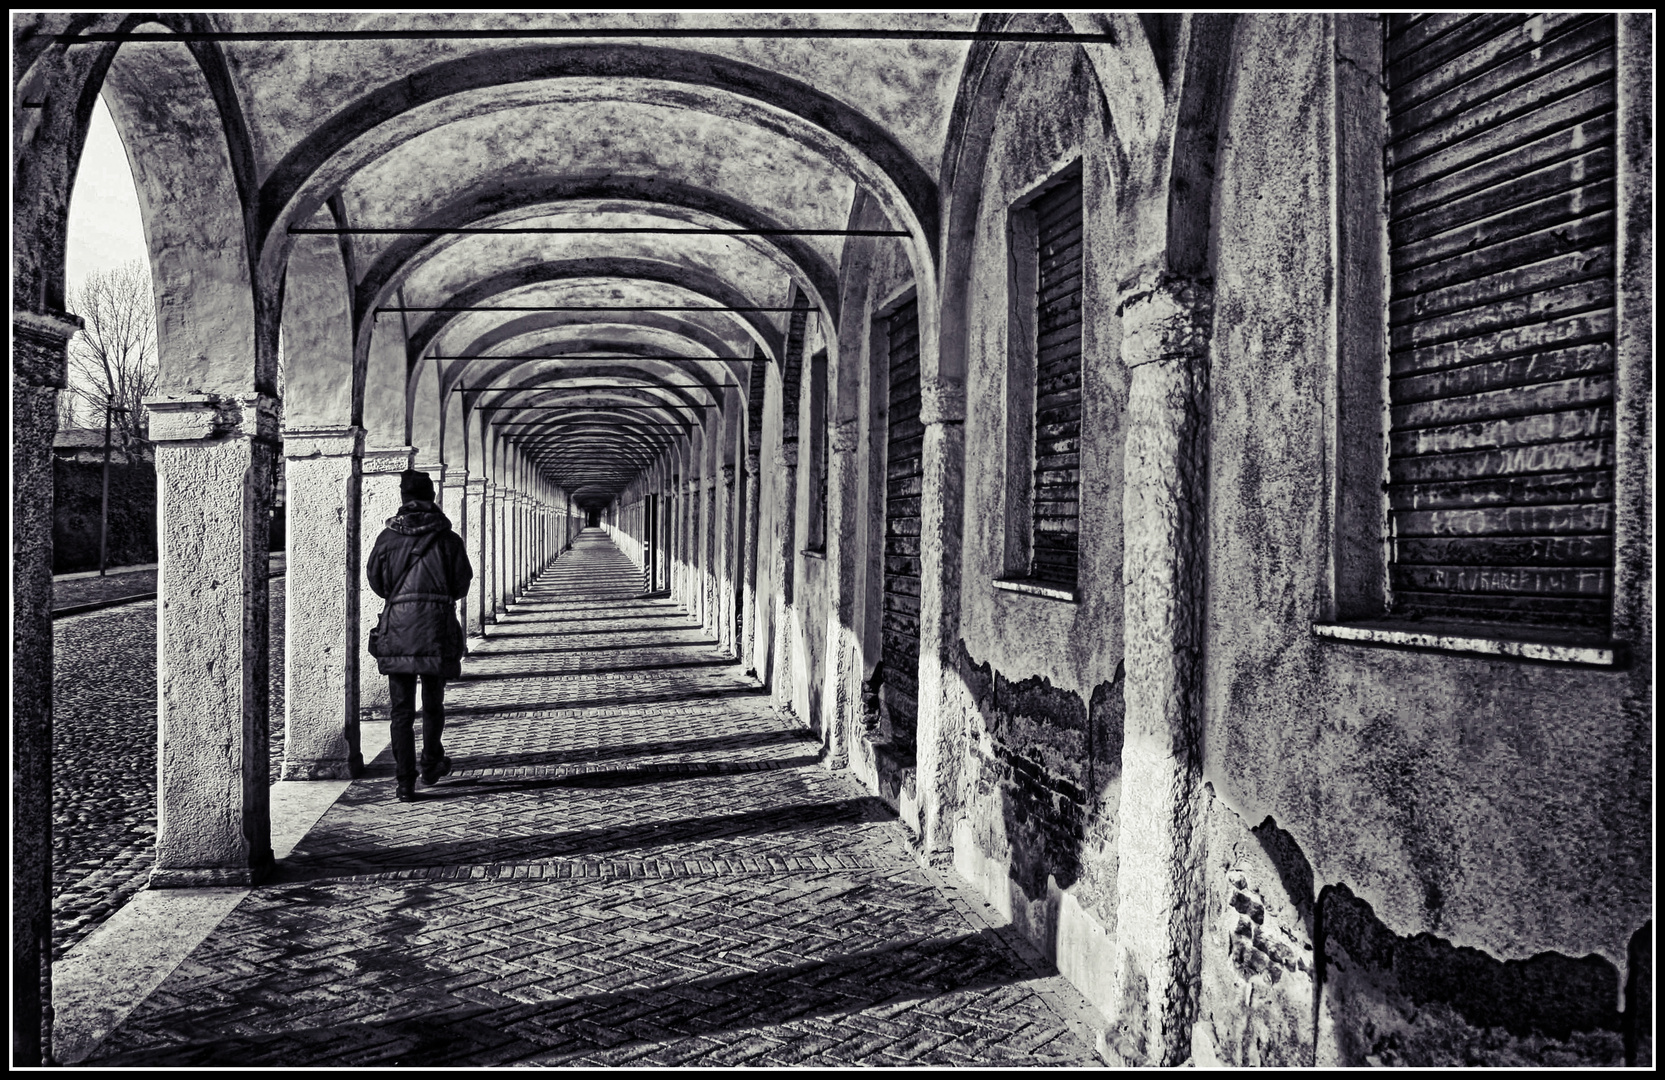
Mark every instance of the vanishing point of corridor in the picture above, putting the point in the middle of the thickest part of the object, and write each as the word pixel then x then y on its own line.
pixel 636 860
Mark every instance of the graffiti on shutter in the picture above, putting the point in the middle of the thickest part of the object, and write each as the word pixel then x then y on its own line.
pixel 1500 179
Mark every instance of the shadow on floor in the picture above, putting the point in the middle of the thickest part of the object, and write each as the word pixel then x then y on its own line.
pixel 711 744
pixel 579 702
pixel 348 852
pixel 433 1027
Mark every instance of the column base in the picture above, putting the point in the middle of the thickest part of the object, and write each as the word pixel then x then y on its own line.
pixel 333 769
pixel 210 877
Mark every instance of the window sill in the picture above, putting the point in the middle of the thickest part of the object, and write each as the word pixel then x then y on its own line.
pixel 1035 588
pixel 1546 647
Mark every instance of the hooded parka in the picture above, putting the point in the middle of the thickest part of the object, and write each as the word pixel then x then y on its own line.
pixel 420 634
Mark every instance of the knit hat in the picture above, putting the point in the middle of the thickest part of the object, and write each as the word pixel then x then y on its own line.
pixel 415 486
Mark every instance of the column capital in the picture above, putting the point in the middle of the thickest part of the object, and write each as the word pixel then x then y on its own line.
pixel 1165 318
pixel 786 455
pixel 196 417
pixel 381 460
pixel 475 485
pixel 941 401
pixel 43 337
pixel 753 462
pixel 432 468
pixel 301 443
pixel 728 475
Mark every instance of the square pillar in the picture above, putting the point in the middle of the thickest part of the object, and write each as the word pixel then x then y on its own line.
pixel 39 344
pixel 213 478
pixel 499 552
pixel 380 468
pixel 783 556
pixel 474 537
pixel 723 568
pixel 321 611
pixel 748 567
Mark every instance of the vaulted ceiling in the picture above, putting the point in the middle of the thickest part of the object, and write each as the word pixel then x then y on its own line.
pixel 381 121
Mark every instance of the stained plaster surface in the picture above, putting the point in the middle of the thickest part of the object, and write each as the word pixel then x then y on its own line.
pixel 1495 803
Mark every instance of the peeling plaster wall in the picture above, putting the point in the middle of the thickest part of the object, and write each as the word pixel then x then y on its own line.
pixel 1460 816
pixel 1039 678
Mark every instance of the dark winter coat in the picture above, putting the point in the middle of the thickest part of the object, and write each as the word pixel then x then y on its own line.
pixel 419 630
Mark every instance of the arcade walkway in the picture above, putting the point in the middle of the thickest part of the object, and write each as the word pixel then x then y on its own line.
pixel 634 860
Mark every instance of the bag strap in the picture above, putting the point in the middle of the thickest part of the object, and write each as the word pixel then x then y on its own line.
pixel 416 557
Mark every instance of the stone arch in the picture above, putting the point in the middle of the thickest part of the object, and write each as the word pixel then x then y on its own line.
pixel 769 99
pixel 701 285
pixel 318 332
pixel 539 196
pixel 173 105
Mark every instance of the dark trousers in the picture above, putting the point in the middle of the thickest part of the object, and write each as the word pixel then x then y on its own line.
pixel 402 708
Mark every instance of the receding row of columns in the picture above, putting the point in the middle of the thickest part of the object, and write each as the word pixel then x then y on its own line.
pixel 695 537
pixel 214 458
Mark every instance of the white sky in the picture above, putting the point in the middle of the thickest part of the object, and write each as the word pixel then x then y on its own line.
pixel 105 229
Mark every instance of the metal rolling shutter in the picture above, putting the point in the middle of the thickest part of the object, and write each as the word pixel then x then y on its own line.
pixel 1500 165
pixel 904 479
pixel 1056 505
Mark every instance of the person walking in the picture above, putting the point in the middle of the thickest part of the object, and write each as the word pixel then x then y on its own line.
pixel 420 567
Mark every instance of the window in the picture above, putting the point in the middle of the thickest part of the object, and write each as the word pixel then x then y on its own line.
pixel 1499 170
pixel 819 453
pixel 1055 508
pixel 1043 389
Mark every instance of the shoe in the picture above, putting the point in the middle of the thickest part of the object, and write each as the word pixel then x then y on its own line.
pixel 407 792
pixel 432 773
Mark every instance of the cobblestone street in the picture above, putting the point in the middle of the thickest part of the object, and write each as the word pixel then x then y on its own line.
pixel 635 860
pixel 104 747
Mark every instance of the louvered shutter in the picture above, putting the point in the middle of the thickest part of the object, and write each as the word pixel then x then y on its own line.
pixel 904 480
pixel 1500 165
pixel 1056 504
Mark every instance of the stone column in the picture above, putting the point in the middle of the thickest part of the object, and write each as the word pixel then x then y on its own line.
pixel 724 564
pixel 748 569
pixel 379 494
pixel 321 611
pixel 499 552
pixel 517 545
pixel 843 638
pixel 1165 334
pixel 709 556
pixel 39 343
pixel 938 745
pixel 213 487
pixel 783 559
pixel 685 552
pixel 474 537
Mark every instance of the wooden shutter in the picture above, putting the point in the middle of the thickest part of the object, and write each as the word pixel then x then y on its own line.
pixel 1500 164
pixel 904 480
pixel 1056 505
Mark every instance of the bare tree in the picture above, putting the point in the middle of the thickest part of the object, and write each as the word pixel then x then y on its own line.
pixel 112 361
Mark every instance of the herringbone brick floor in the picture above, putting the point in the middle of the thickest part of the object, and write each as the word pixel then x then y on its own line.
pixel 635 860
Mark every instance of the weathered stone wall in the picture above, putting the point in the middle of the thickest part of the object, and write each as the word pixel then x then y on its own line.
pixel 1476 829
pixel 1039 677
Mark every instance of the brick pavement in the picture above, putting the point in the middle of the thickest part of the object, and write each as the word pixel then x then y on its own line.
pixel 629 865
